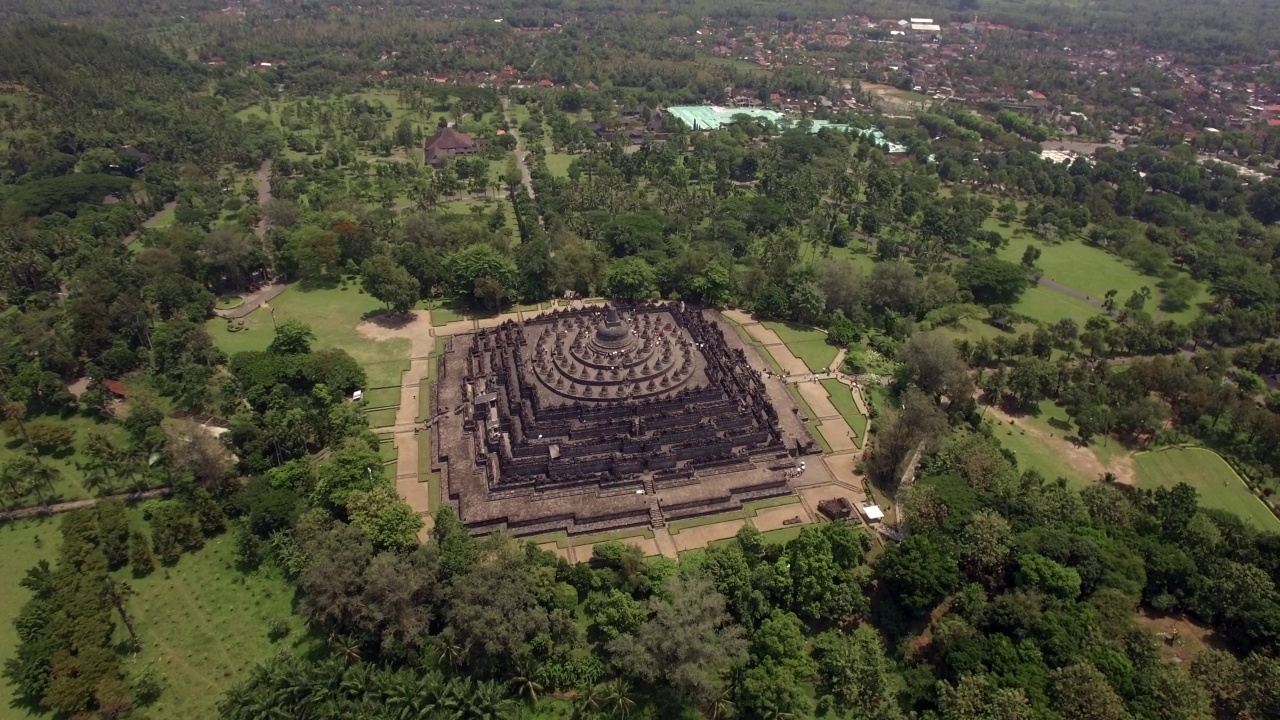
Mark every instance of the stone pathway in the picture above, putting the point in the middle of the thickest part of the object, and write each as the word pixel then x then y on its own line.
pixel 412 489
pixel 264 195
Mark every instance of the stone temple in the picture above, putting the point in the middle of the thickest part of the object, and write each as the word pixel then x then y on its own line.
pixel 595 419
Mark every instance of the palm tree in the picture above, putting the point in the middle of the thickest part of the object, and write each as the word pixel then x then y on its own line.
pixel 346 647
pixel 617 698
pixel 526 680
pixel 42 474
pixel 588 703
pixel 720 706
pixel 116 595
pixel 450 652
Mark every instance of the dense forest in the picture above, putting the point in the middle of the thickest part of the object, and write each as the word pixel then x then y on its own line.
pixel 160 170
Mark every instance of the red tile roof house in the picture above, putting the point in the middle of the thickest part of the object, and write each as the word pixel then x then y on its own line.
pixel 446 144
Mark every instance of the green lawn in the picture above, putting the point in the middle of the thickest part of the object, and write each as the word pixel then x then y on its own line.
pixel 1032 454
pixel 1049 306
pixel 333 314
pixel 1089 270
pixel 805 343
pixel 22 545
pixel 558 163
pixel 1219 486
pixel 203 624
pixel 842 398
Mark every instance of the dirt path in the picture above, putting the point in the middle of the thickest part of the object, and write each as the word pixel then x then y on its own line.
pixel 1080 458
pixel 80 504
pixel 411 488
pixel 151 221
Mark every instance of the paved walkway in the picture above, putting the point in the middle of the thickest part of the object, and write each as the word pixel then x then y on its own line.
pixel 66 507
pixel 253 301
pixel 407 429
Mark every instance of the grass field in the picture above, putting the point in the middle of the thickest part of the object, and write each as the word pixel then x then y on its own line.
pixel 1086 269
pixel 1036 454
pixel 842 399
pixel 805 343
pixel 1219 486
pixel 22 545
pixel 333 314
pixel 1049 306
pixel 203 625
pixel 558 163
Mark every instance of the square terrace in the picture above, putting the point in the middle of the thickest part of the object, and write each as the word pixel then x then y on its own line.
pixel 590 419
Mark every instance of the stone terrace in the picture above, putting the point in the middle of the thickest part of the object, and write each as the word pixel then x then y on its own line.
pixel 588 420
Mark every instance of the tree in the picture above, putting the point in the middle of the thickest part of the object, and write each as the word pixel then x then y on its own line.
pixel 1040 572
pixel 493 609
pixel 853 670
pixel 465 268
pixel 388 521
pixel 977 697
pixel 1080 691
pixel 991 280
pixel 630 278
pixel 293 337
pixel 113 531
pixel 141 562
pixel 1032 380
pixel 930 360
pixel 985 545
pixel 615 613
pixel 390 283
pixel 917 573
pixel 48 438
pixel 1030 256
pixel 689 642
pixel 116 595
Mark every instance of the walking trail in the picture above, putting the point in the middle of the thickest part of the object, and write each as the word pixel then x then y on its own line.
pixel 65 507
pixel 151 221
pixel 264 195
pixel 421 336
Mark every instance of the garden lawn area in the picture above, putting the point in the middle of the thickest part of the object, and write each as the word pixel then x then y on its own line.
pixel 974 329
pixel 748 510
pixel 1086 269
pixel 22 544
pixel 70 486
pixel 333 314
pixel 203 625
pixel 1049 306
pixel 805 343
pixel 558 163
pixel 842 398
pixel 1033 454
pixel 1218 484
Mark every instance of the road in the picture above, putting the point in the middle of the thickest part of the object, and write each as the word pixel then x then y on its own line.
pixel 264 195
pixel 522 155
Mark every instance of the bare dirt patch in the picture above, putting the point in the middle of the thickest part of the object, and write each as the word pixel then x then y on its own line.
pixel 703 535
pixel 838 435
pixel 389 326
pixel 774 518
pixel 819 400
pixel 1180 639
pixel 1079 457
